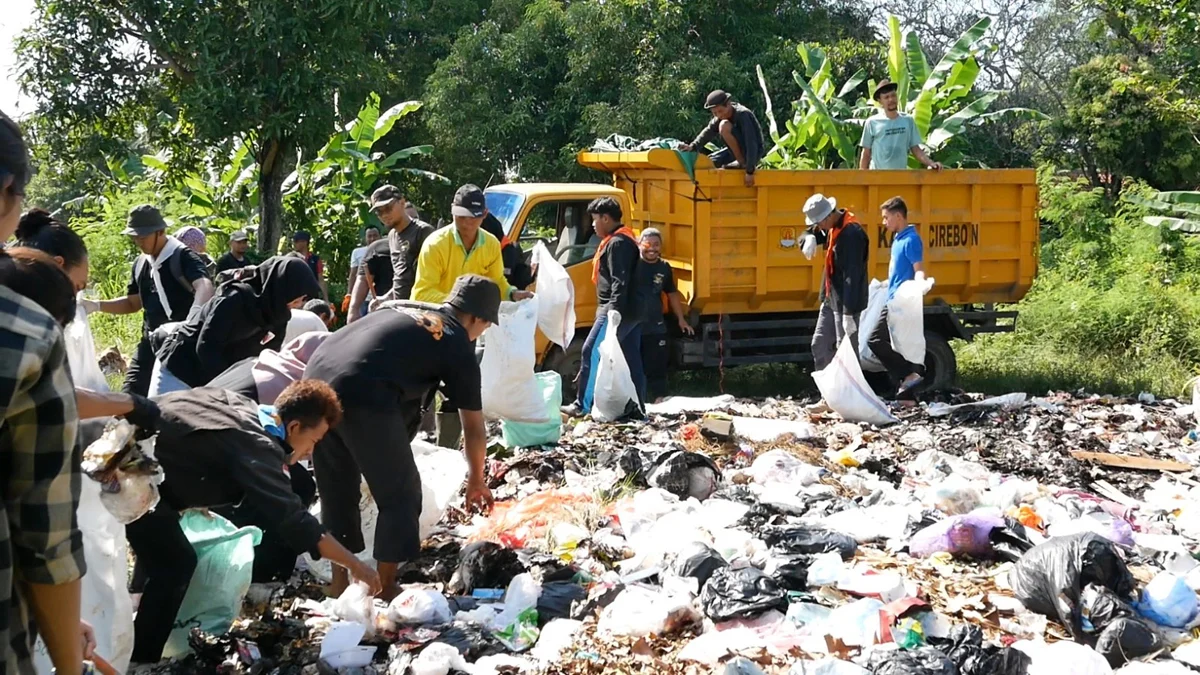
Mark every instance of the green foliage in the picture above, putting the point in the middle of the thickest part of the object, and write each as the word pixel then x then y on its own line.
pixel 826 123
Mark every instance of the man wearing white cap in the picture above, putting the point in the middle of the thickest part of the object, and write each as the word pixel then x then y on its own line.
pixel 844 284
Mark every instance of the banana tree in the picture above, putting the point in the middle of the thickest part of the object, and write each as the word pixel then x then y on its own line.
pixel 1183 209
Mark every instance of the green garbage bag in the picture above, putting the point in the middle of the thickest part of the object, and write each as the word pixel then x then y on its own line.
pixel 224 566
pixel 526 435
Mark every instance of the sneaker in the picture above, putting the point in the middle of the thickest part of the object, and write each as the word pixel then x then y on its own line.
pixel 572 410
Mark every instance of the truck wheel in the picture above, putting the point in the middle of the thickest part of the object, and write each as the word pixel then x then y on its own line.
pixel 941 367
pixel 566 364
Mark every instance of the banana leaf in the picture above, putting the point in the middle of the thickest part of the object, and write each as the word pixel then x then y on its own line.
pixel 954 124
pixel 918 65
pixel 401 155
pixel 897 63
pixel 959 51
pixel 362 129
pixel 1177 224
pixel 762 83
pixel 1157 203
pixel 963 75
pixel 388 119
pixel 1028 114
pixel 1178 197
pixel 845 147
pixel 851 84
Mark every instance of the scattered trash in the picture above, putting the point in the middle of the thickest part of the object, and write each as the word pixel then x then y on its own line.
pixel 685 474
pixel 1125 640
pixel 731 594
pixel 419 606
pixel 1168 601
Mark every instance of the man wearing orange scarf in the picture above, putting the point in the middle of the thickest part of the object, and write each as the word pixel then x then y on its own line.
pixel 613 269
pixel 844 284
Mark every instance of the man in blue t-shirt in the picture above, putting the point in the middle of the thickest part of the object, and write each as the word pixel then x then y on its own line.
pixel 908 257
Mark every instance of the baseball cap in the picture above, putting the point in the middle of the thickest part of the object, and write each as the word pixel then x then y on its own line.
pixel 817 208
pixel 477 296
pixel 144 220
pixel 716 98
pixel 468 201
pixel 385 195
pixel 239 235
pixel 301 235
pixel 883 88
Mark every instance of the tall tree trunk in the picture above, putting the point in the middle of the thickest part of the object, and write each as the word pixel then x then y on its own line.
pixel 271 168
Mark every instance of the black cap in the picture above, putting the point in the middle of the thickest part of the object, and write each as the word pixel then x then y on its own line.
pixel 477 296
pixel 718 97
pixel 301 235
pixel 469 202
pixel 883 88
pixel 385 195
pixel 144 220
pixel 239 235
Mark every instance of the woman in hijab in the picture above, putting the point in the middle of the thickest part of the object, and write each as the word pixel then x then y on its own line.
pixel 247 315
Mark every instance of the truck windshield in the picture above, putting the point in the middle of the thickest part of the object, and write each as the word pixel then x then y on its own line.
pixel 505 206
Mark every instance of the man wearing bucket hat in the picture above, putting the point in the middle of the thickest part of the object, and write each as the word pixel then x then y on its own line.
pixel 383 368
pixel 889 136
pixel 843 291
pixel 736 125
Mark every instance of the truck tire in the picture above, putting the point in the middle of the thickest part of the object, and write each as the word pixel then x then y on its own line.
pixel 941 366
pixel 566 364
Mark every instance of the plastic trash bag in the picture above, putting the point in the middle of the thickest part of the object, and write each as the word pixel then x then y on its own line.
pixel 438 659
pixel 1168 601
pixel 419 606
pixel 868 320
pixel 81 354
pixel 485 564
pixel 925 660
pixel 640 612
pixel 556 297
pixel 967 535
pixel 846 391
pixel 1125 640
pixel 224 566
pixel 1099 606
pixel 790 572
pixel 698 562
pixel 685 474
pixel 906 319
pixel 470 640
pixel 809 540
pixel 858 623
pixel 1116 530
pixel 826 569
pixel 340 648
pixel 614 388
pixel 1062 658
pixel 742 593
pixel 965 647
pixel 534 434
pixel 556 638
pixel 126 469
pixel 781 466
pixel 1049 579
pixel 510 390
pixel 556 600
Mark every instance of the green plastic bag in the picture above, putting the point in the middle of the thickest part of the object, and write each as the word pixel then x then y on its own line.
pixel 525 435
pixel 224 567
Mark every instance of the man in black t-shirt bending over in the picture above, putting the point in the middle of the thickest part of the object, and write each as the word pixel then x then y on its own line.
pixel 383 368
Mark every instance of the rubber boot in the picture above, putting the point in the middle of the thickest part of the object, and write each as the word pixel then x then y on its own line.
pixel 449 430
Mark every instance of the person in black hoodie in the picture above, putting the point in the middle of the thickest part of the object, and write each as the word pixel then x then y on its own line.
pixel 248 314
pixel 843 291
pixel 613 269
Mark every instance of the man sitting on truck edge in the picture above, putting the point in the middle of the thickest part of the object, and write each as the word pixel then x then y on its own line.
pixel 843 291
pixel 738 127
pixel 908 256
pixel 614 271
pixel 889 136
pixel 656 281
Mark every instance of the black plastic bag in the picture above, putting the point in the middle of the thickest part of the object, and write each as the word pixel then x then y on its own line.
pixel 966 649
pixel 1126 639
pixel 556 599
pixel 685 474
pixel 809 540
pixel 1051 576
pixel 790 572
pixel 485 564
pixel 1010 542
pixel 633 464
pixel 924 660
pixel 742 593
pixel 698 562
pixel 599 598
pixel 471 640
pixel 1101 607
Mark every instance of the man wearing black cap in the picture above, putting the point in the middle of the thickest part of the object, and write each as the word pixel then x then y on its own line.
pixel 384 368
pixel 302 245
pixel 390 264
pixel 449 253
pixel 235 258
pixel 169 281
pixel 739 128
pixel 889 136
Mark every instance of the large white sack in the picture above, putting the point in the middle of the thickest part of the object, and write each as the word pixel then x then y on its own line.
pixel 81 353
pixel 846 390
pixel 876 301
pixel 614 387
pixel 906 319
pixel 556 297
pixel 510 389
pixel 443 472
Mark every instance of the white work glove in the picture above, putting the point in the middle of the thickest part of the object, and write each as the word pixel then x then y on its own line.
pixel 849 324
pixel 920 276
pixel 89 306
pixel 808 246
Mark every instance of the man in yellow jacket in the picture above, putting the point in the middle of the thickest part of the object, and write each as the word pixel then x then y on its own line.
pixel 449 253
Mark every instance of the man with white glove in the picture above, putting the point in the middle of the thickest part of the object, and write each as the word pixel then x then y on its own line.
pixel 844 282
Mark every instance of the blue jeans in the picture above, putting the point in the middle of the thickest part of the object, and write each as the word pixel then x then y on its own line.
pixel 630 336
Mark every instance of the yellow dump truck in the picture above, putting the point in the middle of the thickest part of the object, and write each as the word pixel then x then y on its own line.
pixel 736 252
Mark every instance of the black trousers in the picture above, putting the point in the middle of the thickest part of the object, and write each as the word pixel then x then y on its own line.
pixel 880 342
pixel 654 365
pixel 274 558
pixel 167 561
pixel 141 367
pixel 372 442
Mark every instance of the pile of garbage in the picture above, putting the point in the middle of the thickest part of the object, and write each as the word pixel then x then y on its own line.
pixel 974 537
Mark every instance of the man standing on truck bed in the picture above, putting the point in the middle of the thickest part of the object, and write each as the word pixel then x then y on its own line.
pixel 844 284
pixel 615 273
pixel 889 136
pixel 735 124
pixel 908 256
